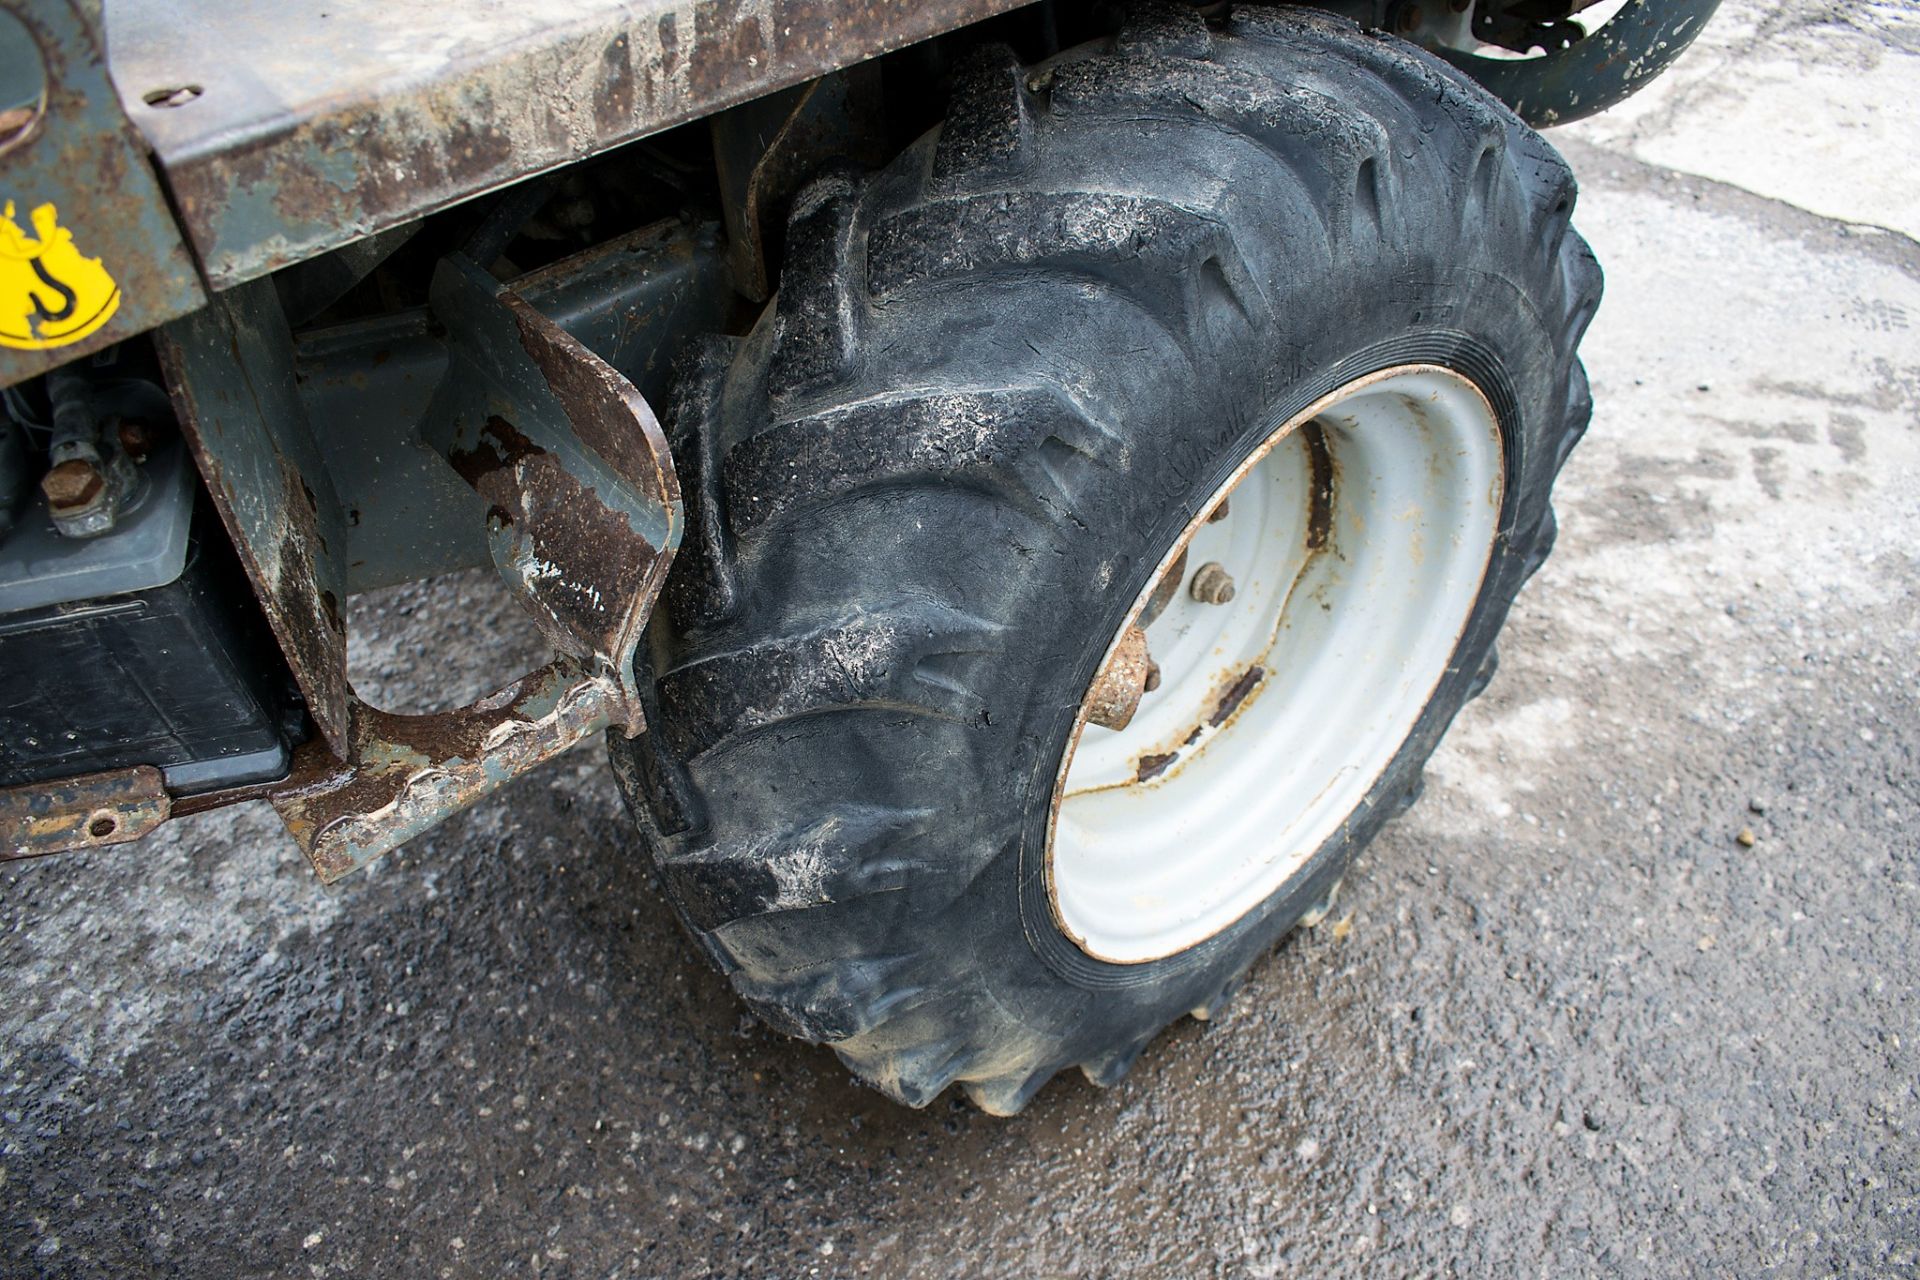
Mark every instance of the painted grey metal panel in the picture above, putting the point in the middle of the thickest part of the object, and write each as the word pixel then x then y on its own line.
pixel 230 370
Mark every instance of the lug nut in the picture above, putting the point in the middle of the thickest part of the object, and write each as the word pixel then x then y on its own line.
pixel 72 484
pixel 1212 584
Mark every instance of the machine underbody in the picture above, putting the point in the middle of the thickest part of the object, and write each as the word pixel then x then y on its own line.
pixel 342 325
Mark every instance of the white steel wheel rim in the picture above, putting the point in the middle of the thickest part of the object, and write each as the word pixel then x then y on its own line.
pixel 1167 831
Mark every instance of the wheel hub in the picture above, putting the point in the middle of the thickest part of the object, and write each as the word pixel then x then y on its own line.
pixel 1298 627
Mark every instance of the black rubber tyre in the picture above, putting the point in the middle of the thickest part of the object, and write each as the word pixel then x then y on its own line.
pixel 999 377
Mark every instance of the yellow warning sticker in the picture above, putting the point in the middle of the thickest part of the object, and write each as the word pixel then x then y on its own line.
pixel 49 294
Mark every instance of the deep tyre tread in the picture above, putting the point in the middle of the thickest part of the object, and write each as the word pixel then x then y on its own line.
pixel 996 380
pixel 990 121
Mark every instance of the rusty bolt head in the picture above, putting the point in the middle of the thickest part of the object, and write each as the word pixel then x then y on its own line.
pixel 1116 691
pixel 1410 18
pixel 136 438
pixel 73 484
pixel 1212 584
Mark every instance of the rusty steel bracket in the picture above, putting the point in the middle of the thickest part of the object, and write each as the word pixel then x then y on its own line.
pixel 583 508
pixel 404 773
pixel 81 813
pixel 583 516
pixel 229 370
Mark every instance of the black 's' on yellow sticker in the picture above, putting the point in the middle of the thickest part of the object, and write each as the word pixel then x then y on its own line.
pixel 50 295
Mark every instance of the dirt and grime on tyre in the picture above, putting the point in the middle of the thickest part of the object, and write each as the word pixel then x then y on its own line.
pixel 1574 1024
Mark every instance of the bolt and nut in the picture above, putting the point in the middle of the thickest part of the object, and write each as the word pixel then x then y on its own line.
pixel 136 438
pixel 72 484
pixel 1211 584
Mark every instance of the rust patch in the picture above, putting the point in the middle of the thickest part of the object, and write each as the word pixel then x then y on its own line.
pixel 1116 691
pixel 1152 766
pixel 1235 695
pixel 607 412
pixel 616 102
pixel 87 812
pixel 292 157
pixel 1320 487
pixel 1166 589
pixel 500 447
pixel 405 773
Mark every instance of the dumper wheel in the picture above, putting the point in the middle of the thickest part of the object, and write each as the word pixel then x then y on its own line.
pixel 1095 538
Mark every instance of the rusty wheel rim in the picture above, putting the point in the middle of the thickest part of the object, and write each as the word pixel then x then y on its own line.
pixel 1310 625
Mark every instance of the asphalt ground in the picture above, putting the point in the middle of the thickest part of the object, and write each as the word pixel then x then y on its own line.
pixel 1630 992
